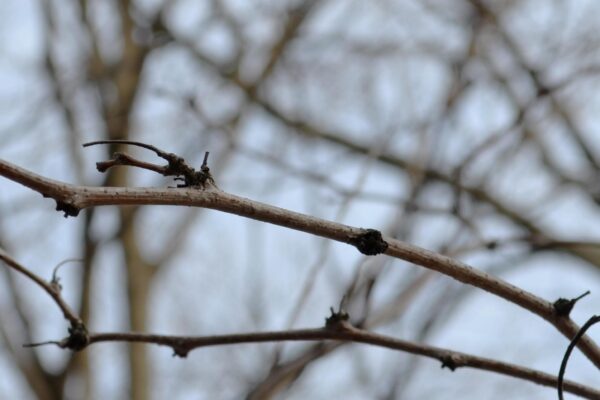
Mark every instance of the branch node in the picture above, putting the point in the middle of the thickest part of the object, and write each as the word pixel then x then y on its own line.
pixel 69 209
pixel 563 307
pixel 492 245
pixel 449 361
pixel 180 349
pixel 369 242
pixel 78 337
pixel 338 320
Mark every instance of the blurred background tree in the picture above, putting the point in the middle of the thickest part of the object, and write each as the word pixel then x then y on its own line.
pixel 467 127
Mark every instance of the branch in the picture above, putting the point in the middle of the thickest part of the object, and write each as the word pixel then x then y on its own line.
pixel 71 199
pixel 342 330
pixel 52 289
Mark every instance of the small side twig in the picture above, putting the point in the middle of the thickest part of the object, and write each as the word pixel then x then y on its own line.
pixel 564 306
pixel 176 165
pixel 59 343
pixel 77 340
pixel 55 282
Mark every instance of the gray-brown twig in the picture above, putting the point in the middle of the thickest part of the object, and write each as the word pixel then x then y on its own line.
pixel 52 289
pixel 343 331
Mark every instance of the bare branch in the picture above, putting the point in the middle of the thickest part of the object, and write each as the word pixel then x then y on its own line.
pixel 51 289
pixel 344 332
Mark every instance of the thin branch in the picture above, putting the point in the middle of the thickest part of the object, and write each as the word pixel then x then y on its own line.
pixel 158 151
pixel 51 289
pixel 563 365
pixel 295 20
pixel 16 330
pixel 344 332
pixel 534 74
pixel 55 281
pixel 71 199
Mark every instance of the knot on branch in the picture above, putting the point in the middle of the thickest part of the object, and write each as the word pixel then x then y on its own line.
pixel 563 307
pixel 369 242
pixel 78 337
pixel 180 350
pixel 449 361
pixel 338 320
pixel 69 209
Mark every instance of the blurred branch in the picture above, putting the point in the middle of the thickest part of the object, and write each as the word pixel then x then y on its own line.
pixel 281 376
pixel 314 270
pixel 310 130
pixel 541 87
pixel 295 19
pixel 317 177
pixel 71 199
pixel 477 192
pixel 62 93
pixel 16 330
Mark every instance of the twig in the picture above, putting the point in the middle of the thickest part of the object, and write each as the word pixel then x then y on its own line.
pixel 158 151
pixel 52 290
pixel 564 306
pixel 176 166
pixel 55 282
pixel 344 332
